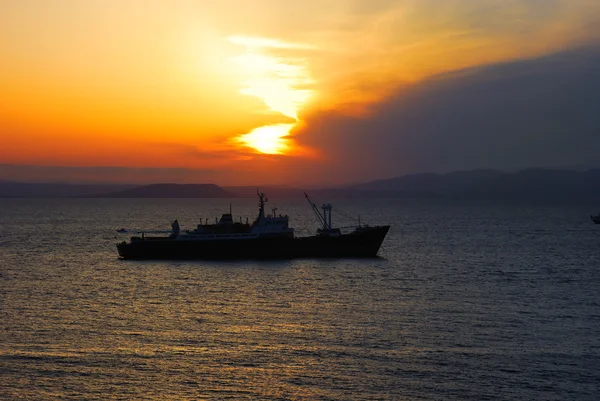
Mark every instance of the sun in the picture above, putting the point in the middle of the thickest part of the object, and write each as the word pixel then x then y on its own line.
pixel 270 139
pixel 281 82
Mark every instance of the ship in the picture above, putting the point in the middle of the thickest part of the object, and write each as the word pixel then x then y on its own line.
pixel 595 219
pixel 268 237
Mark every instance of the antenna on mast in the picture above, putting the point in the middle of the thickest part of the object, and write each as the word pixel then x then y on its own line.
pixel 317 212
pixel 261 205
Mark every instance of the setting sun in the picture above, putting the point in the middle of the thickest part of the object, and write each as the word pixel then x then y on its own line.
pixel 279 82
pixel 270 139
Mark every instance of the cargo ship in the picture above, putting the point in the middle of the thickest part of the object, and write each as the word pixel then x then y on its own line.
pixel 268 237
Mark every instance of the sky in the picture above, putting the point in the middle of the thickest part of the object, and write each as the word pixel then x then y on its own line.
pixel 295 93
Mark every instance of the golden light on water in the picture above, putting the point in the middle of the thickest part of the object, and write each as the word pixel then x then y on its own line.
pixel 280 82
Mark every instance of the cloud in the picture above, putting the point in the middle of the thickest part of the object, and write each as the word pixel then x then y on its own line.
pixel 258 42
pixel 111 174
pixel 368 49
pixel 537 112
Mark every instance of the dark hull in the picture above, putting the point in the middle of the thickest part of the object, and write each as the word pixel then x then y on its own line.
pixel 595 219
pixel 362 243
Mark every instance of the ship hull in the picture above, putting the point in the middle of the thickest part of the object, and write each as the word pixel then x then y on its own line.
pixel 362 243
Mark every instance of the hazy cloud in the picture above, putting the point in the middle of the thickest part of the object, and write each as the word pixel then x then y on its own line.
pixel 541 112
pixel 125 175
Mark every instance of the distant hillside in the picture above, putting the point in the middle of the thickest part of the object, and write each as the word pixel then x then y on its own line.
pixel 539 183
pixel 172 191
pixel 526 184
pixel 272 191
pixel 43 190
pixel 430 182
pixel 477 184
pixel 322 193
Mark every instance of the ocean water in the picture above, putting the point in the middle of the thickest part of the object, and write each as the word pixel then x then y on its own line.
pixel 468 300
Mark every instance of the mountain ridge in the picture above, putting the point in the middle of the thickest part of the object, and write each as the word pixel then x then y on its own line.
pixel 167 190
pixel 12 189
pixel 540 183
pixel 435 182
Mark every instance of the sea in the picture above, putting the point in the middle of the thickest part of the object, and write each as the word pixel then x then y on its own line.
pixel 468 300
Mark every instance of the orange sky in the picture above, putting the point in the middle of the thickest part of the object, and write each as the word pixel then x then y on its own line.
pixel 219 85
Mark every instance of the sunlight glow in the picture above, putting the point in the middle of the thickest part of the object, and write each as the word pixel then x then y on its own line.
pixel 204 85
pixel 270 139
pixel 282 83
pixel 266 42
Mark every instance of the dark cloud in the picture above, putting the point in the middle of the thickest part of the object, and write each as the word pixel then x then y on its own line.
pixel 540 112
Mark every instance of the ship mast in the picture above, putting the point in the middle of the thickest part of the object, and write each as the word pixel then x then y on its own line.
pixel 261 205
pixel 327 215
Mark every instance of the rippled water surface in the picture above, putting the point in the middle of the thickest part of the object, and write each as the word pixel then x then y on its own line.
pixel 467 301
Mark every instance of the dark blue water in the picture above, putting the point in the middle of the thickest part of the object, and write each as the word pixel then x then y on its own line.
pixel 468 301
